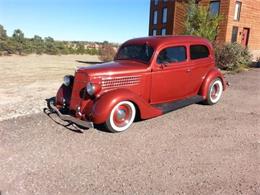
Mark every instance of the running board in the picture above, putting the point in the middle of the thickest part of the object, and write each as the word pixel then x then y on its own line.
pixel 170 106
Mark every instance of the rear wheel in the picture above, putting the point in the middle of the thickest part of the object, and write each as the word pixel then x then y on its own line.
pixel 214 92
pixel 121 117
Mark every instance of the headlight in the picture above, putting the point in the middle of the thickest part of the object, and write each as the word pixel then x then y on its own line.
pixel 93 88
pixel 67 80
pixel 90 89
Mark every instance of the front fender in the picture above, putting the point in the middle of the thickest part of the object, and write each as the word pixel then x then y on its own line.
pixel 63 94
pixel 212 74
pixel 105 103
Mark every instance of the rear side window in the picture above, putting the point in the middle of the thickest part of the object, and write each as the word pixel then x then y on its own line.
pixel 198 51
pixel 172 54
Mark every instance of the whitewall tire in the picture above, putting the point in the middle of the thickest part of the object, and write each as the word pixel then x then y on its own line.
pixel 215 91
pixel 121 117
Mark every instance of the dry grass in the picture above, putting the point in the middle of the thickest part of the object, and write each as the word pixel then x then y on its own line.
pixel 26 81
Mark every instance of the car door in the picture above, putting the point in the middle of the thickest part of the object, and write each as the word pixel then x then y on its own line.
pixel 200 62
pixel 170 75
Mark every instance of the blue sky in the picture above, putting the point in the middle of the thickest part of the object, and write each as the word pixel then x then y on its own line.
pixel 86 20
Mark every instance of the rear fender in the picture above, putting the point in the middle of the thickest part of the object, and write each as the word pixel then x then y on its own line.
pixel 105 103
pixel 212 74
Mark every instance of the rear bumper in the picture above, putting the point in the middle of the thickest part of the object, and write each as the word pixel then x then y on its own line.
pixel 70 118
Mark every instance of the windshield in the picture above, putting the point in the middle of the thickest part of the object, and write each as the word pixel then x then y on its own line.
pixel 135 52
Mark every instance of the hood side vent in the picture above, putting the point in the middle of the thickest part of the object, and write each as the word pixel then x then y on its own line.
pixel 108 83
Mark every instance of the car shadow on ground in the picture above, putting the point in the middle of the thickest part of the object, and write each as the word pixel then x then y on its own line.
pixel 88 62
pixel 69 125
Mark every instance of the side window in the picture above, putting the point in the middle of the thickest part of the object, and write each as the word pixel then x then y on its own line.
pixel 172 54
pixel 198 51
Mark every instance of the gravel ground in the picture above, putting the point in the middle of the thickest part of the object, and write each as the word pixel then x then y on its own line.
pixel 195 150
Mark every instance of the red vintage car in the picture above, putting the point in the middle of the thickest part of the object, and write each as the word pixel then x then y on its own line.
pixel 149 77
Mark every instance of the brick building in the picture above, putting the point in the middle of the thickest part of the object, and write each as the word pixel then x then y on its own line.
pixel 240 23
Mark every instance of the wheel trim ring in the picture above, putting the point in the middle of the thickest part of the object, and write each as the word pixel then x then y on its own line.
pixel 113 125
pixel 215 91
pixel 215 95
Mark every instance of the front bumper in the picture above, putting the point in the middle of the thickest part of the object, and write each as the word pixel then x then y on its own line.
pixel 70 118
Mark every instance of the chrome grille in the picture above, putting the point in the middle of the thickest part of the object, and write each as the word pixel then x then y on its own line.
pixel 120 82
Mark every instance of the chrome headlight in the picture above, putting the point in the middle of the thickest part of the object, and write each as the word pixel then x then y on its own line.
pixel 93 88
pixel 90 88
pixel 67 80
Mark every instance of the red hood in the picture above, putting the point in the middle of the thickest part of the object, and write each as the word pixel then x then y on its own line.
pixel 115 67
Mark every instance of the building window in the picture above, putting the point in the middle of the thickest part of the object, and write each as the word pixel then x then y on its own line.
pixel 154 32
pixel 172 55
pixel 214 7
pixel 163 31
pixel 155 15
pixel 164 16
pixel 234 34
pixel 156 2
pixel 237 10
pixel 198 51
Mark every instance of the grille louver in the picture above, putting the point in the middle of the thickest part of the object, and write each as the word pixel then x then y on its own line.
pixel 120 82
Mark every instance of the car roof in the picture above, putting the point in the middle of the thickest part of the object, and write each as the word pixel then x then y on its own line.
pixel 156 41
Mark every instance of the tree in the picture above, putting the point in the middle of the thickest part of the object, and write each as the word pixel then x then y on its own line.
pixel 62 47
pixel 38 44
pixel 200 22
pixel 3 39
pixel 18 41
pixel 50 47
pixel 19 44
pixel 80 48
pixel 3 35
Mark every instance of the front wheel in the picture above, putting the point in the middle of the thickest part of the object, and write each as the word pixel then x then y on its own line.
pixel 214 92
pixel 121 117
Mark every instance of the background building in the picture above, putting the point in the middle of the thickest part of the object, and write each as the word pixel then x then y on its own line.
pixel 240 23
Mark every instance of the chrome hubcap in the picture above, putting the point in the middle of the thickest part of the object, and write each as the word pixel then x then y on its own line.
pixel 121 114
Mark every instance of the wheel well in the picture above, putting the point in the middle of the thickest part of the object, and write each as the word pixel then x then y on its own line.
pixel 222 81
pixel 202 89
pixel 138 113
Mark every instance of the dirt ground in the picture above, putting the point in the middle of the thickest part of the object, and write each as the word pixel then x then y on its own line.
pixel 195 150
pixel 25 80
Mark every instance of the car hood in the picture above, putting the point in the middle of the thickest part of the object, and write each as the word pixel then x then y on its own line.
pixel 114 67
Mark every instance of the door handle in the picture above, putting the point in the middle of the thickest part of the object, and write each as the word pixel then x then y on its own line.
pixel 188 70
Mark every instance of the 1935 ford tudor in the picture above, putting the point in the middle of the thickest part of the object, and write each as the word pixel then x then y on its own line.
pixel 149 77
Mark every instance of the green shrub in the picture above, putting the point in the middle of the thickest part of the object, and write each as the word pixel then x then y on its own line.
pixel 232 57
